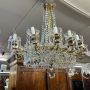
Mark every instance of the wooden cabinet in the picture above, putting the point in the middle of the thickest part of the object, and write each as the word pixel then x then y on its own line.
pixel 37 79
pixel 86 81
pixel 23 78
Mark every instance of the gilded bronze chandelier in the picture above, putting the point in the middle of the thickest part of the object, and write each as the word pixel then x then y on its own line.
pixel 49 48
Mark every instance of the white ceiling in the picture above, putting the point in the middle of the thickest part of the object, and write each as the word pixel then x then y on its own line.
pixel 11 13
pixel 20 13
pixel 82 6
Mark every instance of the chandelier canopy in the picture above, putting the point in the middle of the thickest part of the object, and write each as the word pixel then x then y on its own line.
pixel 50 47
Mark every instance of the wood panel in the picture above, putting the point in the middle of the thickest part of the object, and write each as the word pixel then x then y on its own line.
pixel 13 77
pixel 12 81
pixel 31 79
pixel 1 85
pixel 76 80
pixel 86 81
pixel 14 69
pixel 59 82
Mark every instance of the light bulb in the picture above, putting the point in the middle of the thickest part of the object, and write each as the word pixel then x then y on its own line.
pixel 33 30
pixel 69 33
pixel 55 30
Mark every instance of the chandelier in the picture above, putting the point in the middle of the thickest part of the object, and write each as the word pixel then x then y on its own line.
pixel 49 48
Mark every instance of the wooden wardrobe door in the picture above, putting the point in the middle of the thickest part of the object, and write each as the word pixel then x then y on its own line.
pixel 59 82
pixel 32 79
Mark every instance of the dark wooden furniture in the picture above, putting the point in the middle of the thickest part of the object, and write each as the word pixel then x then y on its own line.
pixel 77 80
pixel 86 81
pixel 31 79
pixel 1 85
pixel 23 78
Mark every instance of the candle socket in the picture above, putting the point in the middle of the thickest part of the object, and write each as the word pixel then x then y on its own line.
pixel 70 41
